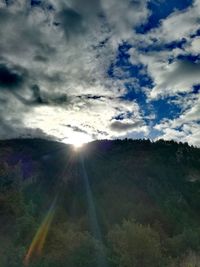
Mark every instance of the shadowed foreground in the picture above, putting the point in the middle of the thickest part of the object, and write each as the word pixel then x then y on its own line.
pixel 110 204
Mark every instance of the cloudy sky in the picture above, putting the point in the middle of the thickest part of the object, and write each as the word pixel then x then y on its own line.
pixel 98 69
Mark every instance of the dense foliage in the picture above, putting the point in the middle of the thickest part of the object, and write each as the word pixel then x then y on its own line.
pixel 130 203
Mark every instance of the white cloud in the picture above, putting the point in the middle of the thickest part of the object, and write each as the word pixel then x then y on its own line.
pixel 91 117
pixel 66 52
pixel 169 74
pixel 189 133
pixel 184 128
pixel 179 76
pixel 66 60
pixel 193 46
pixel 178 25
pixel 123 16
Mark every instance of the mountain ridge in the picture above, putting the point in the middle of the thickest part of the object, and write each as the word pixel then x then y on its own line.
pixel 123 200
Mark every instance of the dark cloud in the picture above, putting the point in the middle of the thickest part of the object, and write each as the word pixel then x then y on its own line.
pixel 88 6
pixel 37 95
pixel 44 49
pixel 54 99
pixel 91 97
pixel 4 15
pixel 58 99
pixel 13 128
pixel 39 98
pixel 5 128
pixel 71 21
pixel 36 98
pixel 76 129
pixel 55 78
pixel 34 133
pixel 41 58
pixel 78 18
pixel 10 78
pixel 119 126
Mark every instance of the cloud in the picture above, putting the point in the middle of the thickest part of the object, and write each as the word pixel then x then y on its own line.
pixel 76 129
pixel 174 71
pixel 186 126
pixel 54 62
pixel 189 133
pixel 124 16
pixel 193 45
pixel 11 77
pixel 58 55
pixel 72 22
pixel 179 76
pixel 180 24
pixel 119 126
pixel 168 63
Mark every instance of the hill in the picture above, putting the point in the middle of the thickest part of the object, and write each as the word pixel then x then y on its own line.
pixel 112 203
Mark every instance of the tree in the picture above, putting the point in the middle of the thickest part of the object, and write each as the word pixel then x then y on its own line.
pixel 134 245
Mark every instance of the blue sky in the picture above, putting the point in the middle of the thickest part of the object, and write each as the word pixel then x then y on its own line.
pixel 161 10
pixel 103 69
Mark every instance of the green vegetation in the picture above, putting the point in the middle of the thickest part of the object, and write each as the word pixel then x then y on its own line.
pixel 118 204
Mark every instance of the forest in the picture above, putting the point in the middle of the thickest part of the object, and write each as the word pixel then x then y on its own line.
pixel 120 203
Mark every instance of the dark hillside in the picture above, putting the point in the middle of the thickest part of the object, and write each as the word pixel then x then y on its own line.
pixel 112 203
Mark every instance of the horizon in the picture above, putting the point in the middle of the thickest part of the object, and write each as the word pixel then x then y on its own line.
pixel 100 140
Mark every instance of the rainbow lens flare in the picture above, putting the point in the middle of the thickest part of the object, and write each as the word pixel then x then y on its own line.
pixel 38 241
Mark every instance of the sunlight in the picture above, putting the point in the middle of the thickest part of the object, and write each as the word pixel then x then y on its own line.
pixel 77 140
pixel 78 144
pixel 77 147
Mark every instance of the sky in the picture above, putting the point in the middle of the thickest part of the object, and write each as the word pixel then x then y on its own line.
pixel 100 69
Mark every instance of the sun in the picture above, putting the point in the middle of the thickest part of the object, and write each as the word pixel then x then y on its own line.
pixel 78 144
pixel 77 140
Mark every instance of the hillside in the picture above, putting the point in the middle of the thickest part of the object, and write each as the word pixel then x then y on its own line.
pixel 129 203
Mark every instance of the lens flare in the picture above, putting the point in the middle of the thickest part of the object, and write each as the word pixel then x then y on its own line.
pixel 37 244
pixel 101 256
